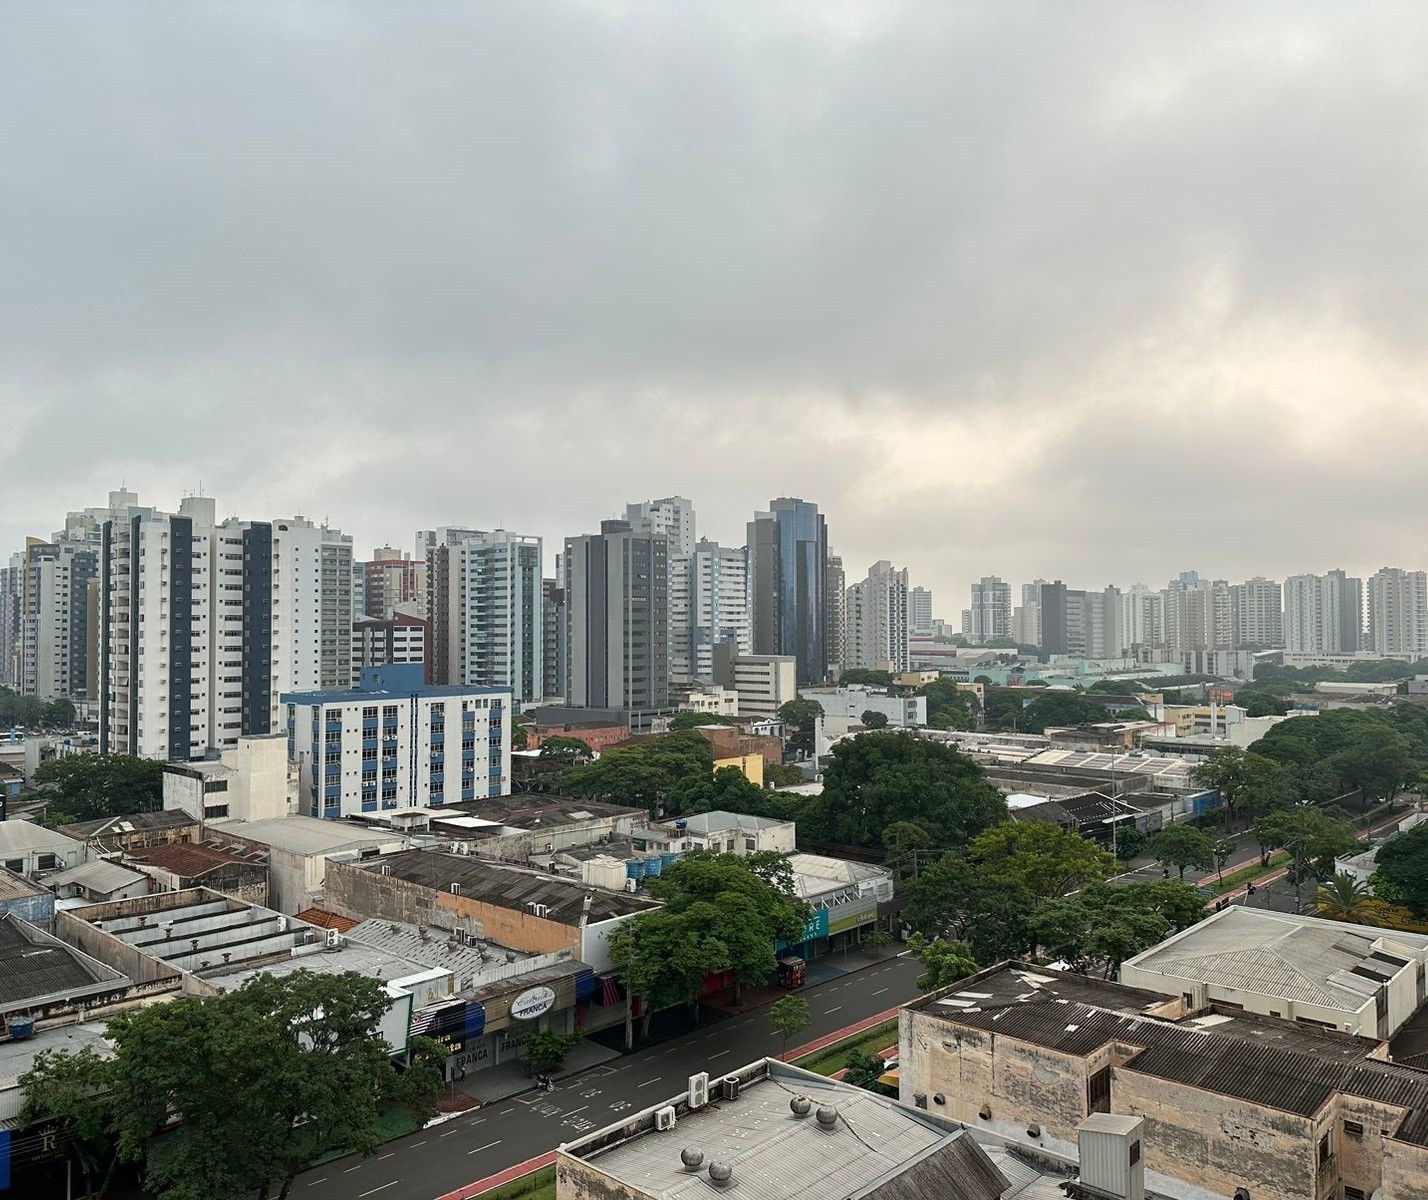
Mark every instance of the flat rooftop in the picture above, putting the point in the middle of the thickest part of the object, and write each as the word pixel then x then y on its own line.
pixel 507 886
pixel 1278 1064
pixel 708 822
pixel 1305 959
pixel 865 1145
pixel 305 835
pixel 168 818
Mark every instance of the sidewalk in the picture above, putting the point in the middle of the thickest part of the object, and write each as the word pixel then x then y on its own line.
pixel 512 1078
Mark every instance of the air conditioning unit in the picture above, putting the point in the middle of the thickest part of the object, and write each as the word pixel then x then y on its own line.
pixel 334 938
pixel 664 1117
pixel 699 1090
pixel 729 1086
pixel 632 885
pixel 456 889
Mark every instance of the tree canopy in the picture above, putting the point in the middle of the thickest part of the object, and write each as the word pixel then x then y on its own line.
pixel 950 707
pixel 1247 783
pixel 1028 710
pixel 800 715
pixel 878 779
pixel 262 1080
pixel 694 720
pixel 1182 846
pixel 1107 923
pixel 872 719
pixel 644 774
pixel 1041 859
pixel 30 712
pixel 91 787
pixel 942 962
pixel 722 913
pixel 1402 870
pixel 865 677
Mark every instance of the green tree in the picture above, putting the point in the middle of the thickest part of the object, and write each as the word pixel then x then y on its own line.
pixel 789 1015
pixel 1130 843
pixel 942 962
pixel 1402 870
pixel 569 749
pixel 645 774
pixel 878 779
pixel 546 1049
pixel 1182 846
pixel 951 899
pixel 801 715
pixel 261 1080
pixel 1222 850
pixel 520 739
pixel 91 787
pixel 780 775
pixel 1344 898
pixel 1041 858
pixel 873 719
pixel 1244 781
pixel 864 1070
pixel 73 1090
pixel 1378 763
pixel 1107 923
pixel 950 707
pixel 907 844
pixel 696 720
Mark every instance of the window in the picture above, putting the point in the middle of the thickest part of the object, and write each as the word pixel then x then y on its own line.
pixel 1098 1091
pixel 1326 1148
pixel 1134 1153
pixel 15 864
pixel 1354 1128
pixel 46 862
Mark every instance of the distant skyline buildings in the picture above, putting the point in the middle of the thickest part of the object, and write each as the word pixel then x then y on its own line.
pixel 788 579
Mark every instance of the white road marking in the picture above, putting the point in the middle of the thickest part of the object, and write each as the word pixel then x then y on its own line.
pixel 315 1182
pixel 573 1111
pixel 487 1146
pixel 721 1054
pixel 383 1188
pixel 448 1133
pixel 835 1008
pixel 349 1170
pixel 393 1154
pixel 420 1143
pixel 647 1082
pixel 880 991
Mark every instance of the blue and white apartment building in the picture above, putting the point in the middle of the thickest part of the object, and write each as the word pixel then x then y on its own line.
pixel 395 742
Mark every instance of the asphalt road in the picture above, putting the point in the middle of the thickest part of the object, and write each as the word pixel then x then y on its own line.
pixel 442 1158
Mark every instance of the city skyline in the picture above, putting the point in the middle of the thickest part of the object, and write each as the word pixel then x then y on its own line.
pixel 379 302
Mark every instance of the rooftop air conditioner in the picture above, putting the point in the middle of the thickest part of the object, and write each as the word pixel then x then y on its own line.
pixel 699 1090
pixel 664 1117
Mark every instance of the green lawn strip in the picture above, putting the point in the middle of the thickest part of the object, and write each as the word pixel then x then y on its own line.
pixel 1243 875
pixel 538 1185
pixel 835 1057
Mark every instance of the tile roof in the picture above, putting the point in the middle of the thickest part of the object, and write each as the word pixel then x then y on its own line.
pixel 168 818
pixel 326 920
pixel 189 860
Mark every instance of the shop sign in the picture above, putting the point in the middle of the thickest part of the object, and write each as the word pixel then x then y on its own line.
pixel 532 1003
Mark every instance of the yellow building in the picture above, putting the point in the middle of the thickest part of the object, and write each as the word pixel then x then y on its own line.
pixel 752 765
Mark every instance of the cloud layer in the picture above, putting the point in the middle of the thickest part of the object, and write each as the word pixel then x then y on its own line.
pixel 1097 292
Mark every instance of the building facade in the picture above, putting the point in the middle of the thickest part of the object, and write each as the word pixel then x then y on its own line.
pixel 672 518
pixel 1398 612
pixel 384 744
pixel 1258 606
pixel 991 611
pixel 875 637
pixel 377 642
pixel 788 565
pixel 616 585
pixel 392 579
pixel 718 600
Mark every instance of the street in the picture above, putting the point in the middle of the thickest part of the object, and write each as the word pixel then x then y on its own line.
pixel 441 1158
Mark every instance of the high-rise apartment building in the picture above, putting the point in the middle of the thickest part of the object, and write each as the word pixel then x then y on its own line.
pixel 378 643
pixel 991 610
pixel 788 562
pixel 875 636
pixel 1052 618
pixel 1026 617
pixel 919 612
pixel 484 608
pixel 1199 614
pixel 12 590
pixel 390 579
pixel 554 630
pixel 205 624
pixel 1142 617
pixel 1398 612
pixel 718 579
pixel 616 585
pixel 1258 607
pixel 672 518
pixel 835 593
pixel 1323 614
pixel 54 618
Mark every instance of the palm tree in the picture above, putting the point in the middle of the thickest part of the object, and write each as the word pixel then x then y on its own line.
pixel 1345 898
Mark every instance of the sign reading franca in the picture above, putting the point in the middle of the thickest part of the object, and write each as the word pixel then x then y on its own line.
pixel 532 1003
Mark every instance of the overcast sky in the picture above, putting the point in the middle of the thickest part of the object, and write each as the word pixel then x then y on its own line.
pixel 1096 292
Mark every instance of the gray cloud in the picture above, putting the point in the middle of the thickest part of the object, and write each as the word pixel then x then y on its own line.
pixel 1098 291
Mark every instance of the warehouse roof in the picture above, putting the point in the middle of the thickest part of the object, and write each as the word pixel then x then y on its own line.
pixel 167 818
pixel 1305 959
pixel 508 886
pixel 19 835
pixel 100 876
pixel 34 965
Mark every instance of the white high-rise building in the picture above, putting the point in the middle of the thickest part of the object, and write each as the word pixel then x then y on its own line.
pixel 1142 617
pixel 835 597
pixel 718 579
pixel 919 612
pixel 991 610
pixel 1027 626
pixel 1258 606
pixel 1398 612
pixel 484 607
pixel 672 518
pixel 205 624
pixel 1323 614
pixel 54 619
pixel 876 635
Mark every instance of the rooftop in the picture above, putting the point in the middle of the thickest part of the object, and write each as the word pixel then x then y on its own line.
pixel 192 859
pixel 1278 1064
pixel 709 822
pixel 100 876
pixel 17 887
pixel 17 1057
pixel 167 818
pixel 1305 959
pixel 36 967
pixel 509 887
pixel 305 835
pixel 19 836
pixel 849 1143
pixel 467 958
pixel 815 875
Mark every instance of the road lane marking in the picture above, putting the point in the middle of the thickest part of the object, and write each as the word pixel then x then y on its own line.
pixel 420 1143
pixel 647 1082
pixel 478 1120
pixel 383 1188
pixel 315 1182
pixel 880 991
pixel 487 1146
pixel 349 1170
pixel 448 1133
pixel 721 1054
pixel 573 1111
pixel 835 1008
pixel 393 1154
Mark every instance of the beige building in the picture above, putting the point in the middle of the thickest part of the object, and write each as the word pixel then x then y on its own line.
pixel 764 682
pixel 252 781
pixel 1283 1109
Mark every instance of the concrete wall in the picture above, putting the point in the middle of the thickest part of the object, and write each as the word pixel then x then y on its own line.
pixel 37 908
pixel 112 952
pixel 519 847
pixel 576 1179
pixel 359 893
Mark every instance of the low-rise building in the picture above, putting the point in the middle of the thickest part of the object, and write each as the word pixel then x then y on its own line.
pixel 383 745
pixel 135 831
pixel 717 701
pixel 97 882
pixel 728 833
pixel 25 899
pixel 27 848
pixel 844 705
pixel 184 866
pixel 253 781
pixel 781 1133
pixel 1352 978
pixel 846 899
pixel 1281 1109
